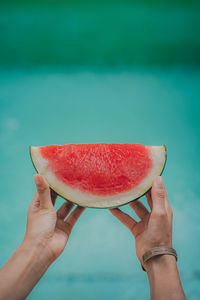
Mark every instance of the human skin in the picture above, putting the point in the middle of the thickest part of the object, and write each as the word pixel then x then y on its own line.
pixel 155 229
pixel 47 234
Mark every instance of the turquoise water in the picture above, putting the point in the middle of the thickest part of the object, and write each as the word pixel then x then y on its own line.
pixel 151 106
pixel 99 33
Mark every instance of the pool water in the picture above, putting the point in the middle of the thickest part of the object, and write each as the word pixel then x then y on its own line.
pixel 150 106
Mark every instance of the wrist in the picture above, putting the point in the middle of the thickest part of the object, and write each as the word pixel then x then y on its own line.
pixel 38 251
pixel 160 263
pixel 164 278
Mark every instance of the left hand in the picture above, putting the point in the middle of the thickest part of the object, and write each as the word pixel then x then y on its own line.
pixel 46 227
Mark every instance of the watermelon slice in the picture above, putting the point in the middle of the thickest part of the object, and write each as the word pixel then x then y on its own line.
pixel 99 175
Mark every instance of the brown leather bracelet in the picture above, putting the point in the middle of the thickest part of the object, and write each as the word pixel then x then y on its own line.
pixel 160 250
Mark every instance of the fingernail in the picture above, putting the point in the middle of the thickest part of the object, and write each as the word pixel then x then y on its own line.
pixel 37 179
pixel 159 182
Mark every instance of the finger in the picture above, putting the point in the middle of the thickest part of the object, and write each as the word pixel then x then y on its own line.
pixel 64 210
pixel 149 199
pixel 167 205
pixel 43 192
pixel 139 209
pixel 71 220
pixel 158 195
pixel 124 218
pixel 53 196
pixel 35 203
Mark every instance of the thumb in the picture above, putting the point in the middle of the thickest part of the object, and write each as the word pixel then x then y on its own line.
pixel 43 192
pixel 158 195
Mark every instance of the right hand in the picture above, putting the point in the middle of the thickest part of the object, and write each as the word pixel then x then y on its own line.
pixel 155 227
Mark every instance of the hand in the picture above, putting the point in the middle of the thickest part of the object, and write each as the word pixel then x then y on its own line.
pixel 45 226
pixel 46 236
pixel 155 227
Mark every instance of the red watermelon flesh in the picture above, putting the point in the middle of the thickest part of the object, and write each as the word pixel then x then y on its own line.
pixel 99 175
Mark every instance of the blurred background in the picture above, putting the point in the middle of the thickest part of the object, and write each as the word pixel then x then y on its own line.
pixel 89 72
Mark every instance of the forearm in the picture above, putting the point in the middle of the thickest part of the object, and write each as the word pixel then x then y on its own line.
pixel 164 279
pixel 23 270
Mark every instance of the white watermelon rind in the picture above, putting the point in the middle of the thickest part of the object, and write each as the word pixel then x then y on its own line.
pixel 120 199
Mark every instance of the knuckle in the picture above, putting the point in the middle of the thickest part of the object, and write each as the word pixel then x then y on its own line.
pixel 68 227
pixel 132 227
pixel 160 193
pixel 67 224
pixel 160 213
pixel 59 215
pixel 42 189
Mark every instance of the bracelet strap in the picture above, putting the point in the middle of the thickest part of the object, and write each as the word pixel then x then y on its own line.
pixel 161 250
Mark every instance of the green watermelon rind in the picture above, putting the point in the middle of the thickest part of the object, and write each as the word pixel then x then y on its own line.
pixel 103 207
